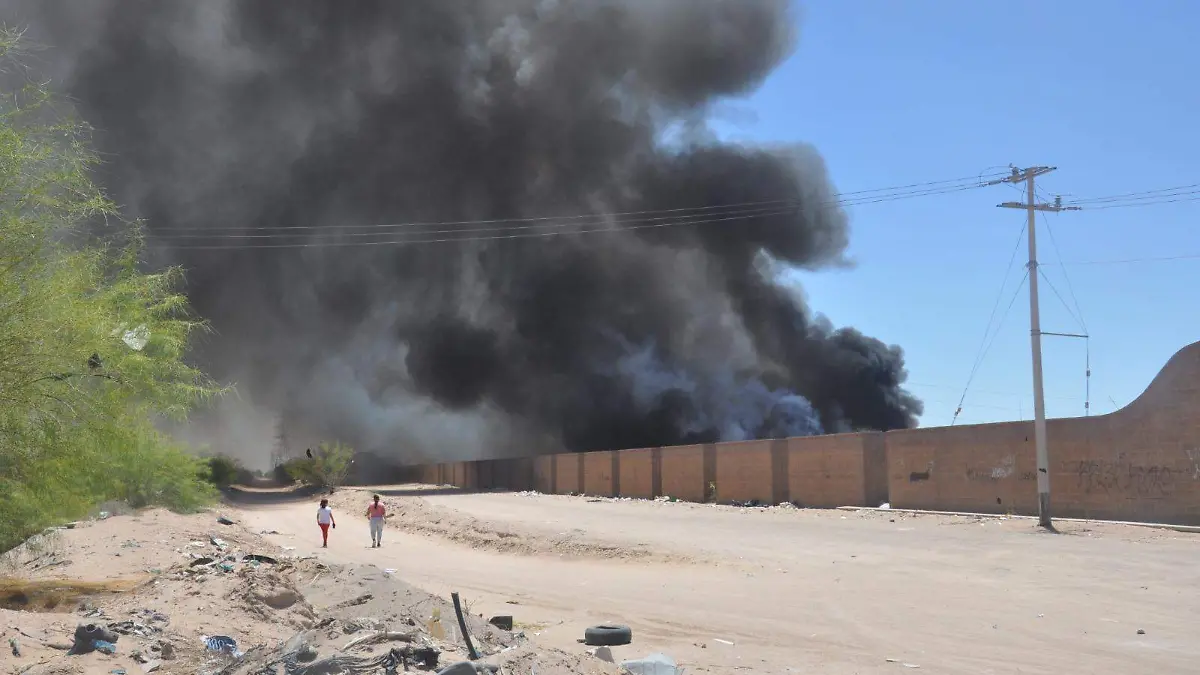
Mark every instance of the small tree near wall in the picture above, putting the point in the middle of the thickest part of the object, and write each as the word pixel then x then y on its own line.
pixel 326 467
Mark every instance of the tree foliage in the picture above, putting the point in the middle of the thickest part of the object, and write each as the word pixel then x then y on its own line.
pixel 91 348
pixel 327 467
pixel 224 471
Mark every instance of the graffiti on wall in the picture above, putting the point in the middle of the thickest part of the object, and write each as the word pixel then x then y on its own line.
pixel 1123 476
pixel 990 474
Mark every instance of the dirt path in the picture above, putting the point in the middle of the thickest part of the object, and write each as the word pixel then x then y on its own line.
pixel 782 591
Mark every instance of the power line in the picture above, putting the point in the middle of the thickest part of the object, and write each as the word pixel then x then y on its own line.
pixel 1130 261
pixel 1067 277
pixel 524 235
pixel 674 220
pixel 1143 194
pixel 986 392
pixel 988 343
pixel 988 328
pixel 852 198
pixel 1139 204
pixel 602 223
pixel 1058 295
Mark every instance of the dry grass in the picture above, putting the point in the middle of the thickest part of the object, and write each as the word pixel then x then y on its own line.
pixel 47 595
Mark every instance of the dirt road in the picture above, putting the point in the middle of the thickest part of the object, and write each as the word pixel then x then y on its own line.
pixel 727 590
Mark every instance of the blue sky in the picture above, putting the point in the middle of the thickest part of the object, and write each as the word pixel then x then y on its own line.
pixel 894 93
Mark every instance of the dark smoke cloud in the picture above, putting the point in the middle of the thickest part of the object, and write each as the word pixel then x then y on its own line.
pixel 250 114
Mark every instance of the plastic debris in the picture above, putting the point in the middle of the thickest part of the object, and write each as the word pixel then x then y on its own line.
pixel 221 643
pixel 654 664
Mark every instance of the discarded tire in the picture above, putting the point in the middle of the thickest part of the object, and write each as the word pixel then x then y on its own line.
pixel 607 636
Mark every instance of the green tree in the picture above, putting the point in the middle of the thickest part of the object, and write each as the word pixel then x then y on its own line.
pixel 91 348
pixel 327 467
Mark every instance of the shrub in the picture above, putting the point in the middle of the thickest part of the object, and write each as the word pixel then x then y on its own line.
pixel 327 468
pixel 91 347
pixel 223 471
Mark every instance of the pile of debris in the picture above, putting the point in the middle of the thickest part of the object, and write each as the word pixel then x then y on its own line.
pixel 164 593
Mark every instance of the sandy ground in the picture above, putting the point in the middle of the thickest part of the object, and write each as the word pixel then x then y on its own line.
pixel 726 590
pixel 161 581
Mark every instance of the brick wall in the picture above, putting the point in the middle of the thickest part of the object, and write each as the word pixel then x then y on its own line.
pixel 1141 463
pixel 636 471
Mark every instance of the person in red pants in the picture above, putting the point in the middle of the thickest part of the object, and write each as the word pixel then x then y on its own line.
pixel 325 521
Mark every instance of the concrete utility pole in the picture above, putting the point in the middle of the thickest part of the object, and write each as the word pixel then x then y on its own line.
pixel 1031 206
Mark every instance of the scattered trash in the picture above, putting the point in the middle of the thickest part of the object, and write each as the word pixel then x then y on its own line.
pixel 503 622
pixel 885 506
pixel 380 636
pixel 151 666
pixel 216 541
pixel 269 532
pixel 307 654
pixel 117 671
pixel 434 624
pixel 602 653
pixel 16 647
pixel 224 521
pixel 135 338
pixel 1141 632
pixel 103 515
pixel 204 560
pixel 724 642
pixel 654 664
pixel 607 636
pixel 221 643
pixel 426 657
pixel 91 637
pixel 362 623
pixel 133 628
pixel 262 660
pixel 460 668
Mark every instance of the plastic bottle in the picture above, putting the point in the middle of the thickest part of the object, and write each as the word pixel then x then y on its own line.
pixel 436 630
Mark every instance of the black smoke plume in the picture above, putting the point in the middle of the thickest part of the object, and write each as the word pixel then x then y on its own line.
pixel 231 117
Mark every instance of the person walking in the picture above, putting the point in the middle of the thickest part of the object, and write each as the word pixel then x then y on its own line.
pixel 325 521
pixel 375 514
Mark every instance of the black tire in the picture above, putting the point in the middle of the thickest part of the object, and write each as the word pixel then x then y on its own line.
pixel 607 636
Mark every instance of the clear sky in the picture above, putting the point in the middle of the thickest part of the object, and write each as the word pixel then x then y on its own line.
pixel 894 93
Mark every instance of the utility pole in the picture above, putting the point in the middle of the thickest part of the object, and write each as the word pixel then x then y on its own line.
pixel 1031 207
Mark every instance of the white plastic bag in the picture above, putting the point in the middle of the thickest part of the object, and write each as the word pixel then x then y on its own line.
pixel 655 664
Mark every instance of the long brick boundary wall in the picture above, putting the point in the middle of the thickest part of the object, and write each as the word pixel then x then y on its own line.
pixel 821 471
pixel 1140 463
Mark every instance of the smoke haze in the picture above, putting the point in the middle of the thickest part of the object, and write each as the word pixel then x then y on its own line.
pixel 228 117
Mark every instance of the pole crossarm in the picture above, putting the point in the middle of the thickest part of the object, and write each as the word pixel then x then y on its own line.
pixel 1032 207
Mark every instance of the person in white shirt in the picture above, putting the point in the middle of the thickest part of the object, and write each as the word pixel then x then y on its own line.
pixel 325 521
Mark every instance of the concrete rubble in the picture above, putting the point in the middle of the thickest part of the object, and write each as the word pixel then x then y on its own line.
pixel 181 599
